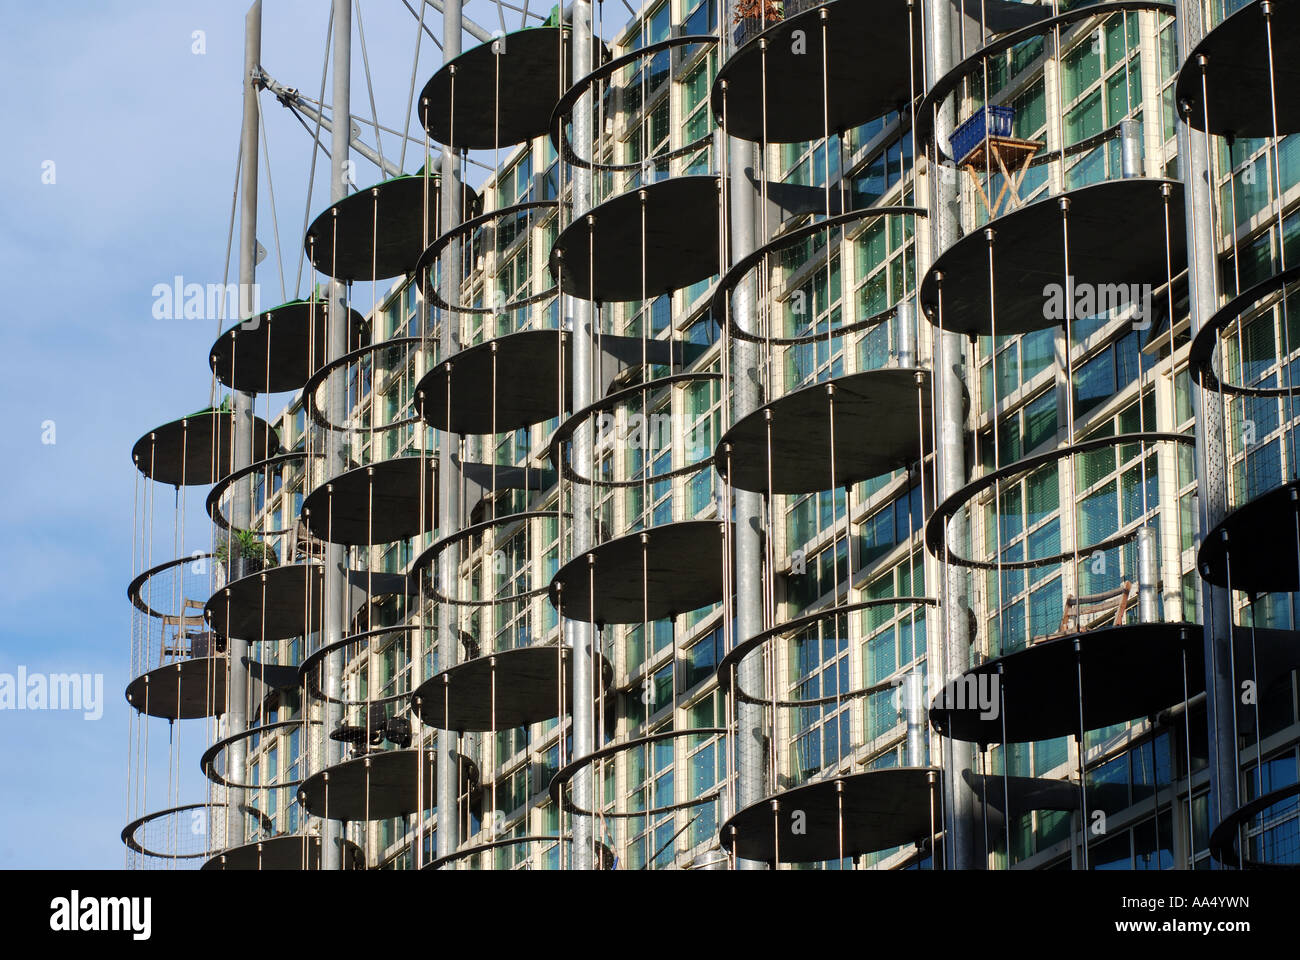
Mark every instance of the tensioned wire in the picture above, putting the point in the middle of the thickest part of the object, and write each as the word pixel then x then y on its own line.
pixel 1285 363
pixel 144 789
pixel 1275 147
pixel 225 273
pixel 420 19
pixel 275 219
pixel 370 89
pixel 317 148
pixel 133 733
pixel 401 160
pixel 178 521
pixel 769 602
pixel 644 469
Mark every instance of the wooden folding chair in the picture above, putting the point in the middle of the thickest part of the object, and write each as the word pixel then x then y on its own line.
pixel 304 545
pixel 1082 614
pixel 179 639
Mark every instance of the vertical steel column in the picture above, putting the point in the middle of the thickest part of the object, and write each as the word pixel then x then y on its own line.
pixel 449 486
pixel 949 653
pixel 751 746
pixel 242 453
pixel 579 634
pixel 1212 481
pixel 336 449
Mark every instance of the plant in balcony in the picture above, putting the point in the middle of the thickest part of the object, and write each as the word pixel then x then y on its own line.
pixel 768 10
pixel 752 17
pixel 256 555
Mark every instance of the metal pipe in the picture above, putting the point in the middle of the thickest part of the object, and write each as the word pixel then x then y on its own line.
pixel 242 435
pixel 1130 138
pixel 905 318
pixel 451 10
pixel 1212 489
pixel 336 456
pixel 1148 577
pixel 448 469
pixel 579 633
pixel 914 713
pixel 949 653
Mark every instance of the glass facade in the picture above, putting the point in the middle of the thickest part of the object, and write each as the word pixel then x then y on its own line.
pixel 854 572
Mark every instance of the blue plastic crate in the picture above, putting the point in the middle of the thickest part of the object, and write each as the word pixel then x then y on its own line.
pixel 971 133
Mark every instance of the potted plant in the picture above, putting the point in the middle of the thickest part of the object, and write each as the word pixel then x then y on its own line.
pixel 754 16
pixel 254 553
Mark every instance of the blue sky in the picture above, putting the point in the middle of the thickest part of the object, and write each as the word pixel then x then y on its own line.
pixel 143 133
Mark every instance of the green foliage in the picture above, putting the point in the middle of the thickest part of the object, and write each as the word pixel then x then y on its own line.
pixel 256 553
